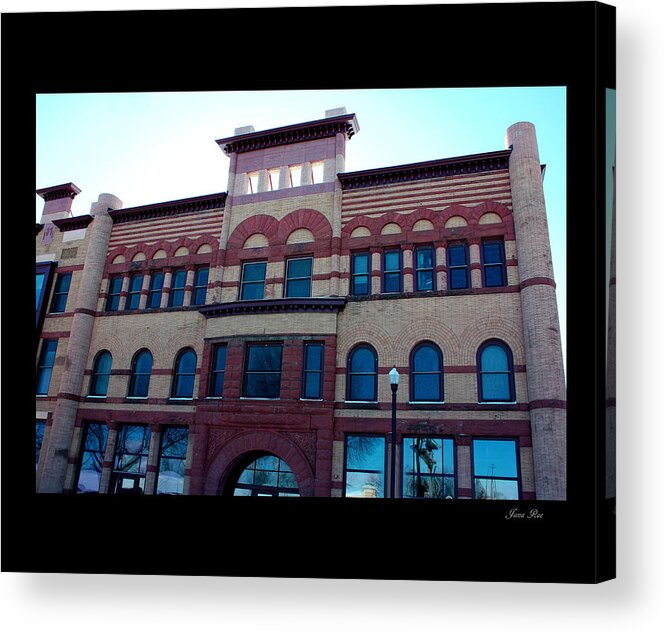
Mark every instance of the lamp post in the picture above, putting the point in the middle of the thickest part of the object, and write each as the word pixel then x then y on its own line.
pixel 394 384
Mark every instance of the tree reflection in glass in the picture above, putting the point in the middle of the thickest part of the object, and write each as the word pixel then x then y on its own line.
pixel 429 468
pixel 365 466
pixel 267 476
pixel 173 453
pixel 495 469
pixel 131 459
pixel 92 458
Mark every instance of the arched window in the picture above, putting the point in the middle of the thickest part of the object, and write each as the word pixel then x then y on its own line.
pixel 426 373
pixel 139 381
pixel 362 374
pixel 101 372
pixel 185 372
pixel 495 373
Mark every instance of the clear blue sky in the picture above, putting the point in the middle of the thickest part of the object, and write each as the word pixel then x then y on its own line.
pixel 154 147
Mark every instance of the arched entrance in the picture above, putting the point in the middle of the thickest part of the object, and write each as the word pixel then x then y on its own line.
pixel 261 475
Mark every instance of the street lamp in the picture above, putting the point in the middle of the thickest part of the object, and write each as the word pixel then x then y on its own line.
pixel 394 384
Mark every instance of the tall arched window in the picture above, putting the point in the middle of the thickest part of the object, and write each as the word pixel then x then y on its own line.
pixel 185 372
pixel 495 373
pixel 426 373
pixel 362 374
pixel 139 381
pixel 101 372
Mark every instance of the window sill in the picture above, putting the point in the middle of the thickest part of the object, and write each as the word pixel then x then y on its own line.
pixel 89 397
pixel 257 398
pixel 360 404
pixel 498 402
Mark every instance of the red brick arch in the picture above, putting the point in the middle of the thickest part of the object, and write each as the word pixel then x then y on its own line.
pixel 489 206
pixel 309 219
pixel 240 445
pixel 264 224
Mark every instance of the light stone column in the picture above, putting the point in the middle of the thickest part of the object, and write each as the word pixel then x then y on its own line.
pixel 264 184
pixel 464 469
pixel 189 281
pixel 476 273
pixel 542 337
pixel 375 280
pixel 122 301
pixel 306 174
pixel 145 289
pixel 54 471
pixel 166 287
pixel 440 262
pixel 407 262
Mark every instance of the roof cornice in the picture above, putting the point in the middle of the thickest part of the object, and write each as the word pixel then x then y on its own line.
pixel 473 163
pixel 306 304
pixel 74 223
pixel 313 130
pixel 165 209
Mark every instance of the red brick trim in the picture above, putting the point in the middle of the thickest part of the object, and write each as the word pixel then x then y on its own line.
pixel 91 313
pixel 537 281
pixel 547 404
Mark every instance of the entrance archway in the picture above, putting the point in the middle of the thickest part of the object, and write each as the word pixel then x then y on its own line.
pixel 262 475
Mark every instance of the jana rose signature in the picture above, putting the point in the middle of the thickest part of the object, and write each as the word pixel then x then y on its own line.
pixel 514 513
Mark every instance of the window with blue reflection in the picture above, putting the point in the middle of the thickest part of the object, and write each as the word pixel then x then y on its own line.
pixel 360 273
pixel 134 294
pixel 424 278
pixel 39 287
pixel 392 270
pixel 200 286
pixel 60 293
pixel 252 281
pixel 185 373
pixel 45 365
pixel 139 382
pixel 101 372
pixel 91 460
pixel 131 460
pixel 263 370
pixel 494 264
pixel 298 277
pixel 458 266
pixel 426 373
pixel 155 290
pixel 267 476
pixel 113 297
pixel 495 373
pixel 218 371
pixel 177 292
pixel 312 382
pixel 40 427
pixel 495 470
pixel 362 374
pixel 365 465
pixel 172 458
pixel 428 467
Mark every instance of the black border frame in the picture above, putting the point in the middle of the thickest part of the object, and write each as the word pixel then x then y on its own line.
pixel 569 44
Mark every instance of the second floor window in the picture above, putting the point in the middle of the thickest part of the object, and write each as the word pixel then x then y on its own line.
pixel 312 381
pixel 139 381
pixel 184 375
pixel 426 374
pixel 392 271
pixel 495 373
pixel 360 273
pixel 252 281
pixel 216 389
pixel 59 301
pixel 177 293
pixel 263 370
pixel 298 281
pixel 362 375
pixel 101 372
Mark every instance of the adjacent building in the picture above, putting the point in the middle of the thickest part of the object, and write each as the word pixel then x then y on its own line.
pixel 239 343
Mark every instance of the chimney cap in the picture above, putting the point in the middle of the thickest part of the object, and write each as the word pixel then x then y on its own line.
pixel 66 190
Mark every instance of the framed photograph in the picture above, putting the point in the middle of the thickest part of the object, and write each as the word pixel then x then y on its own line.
pixel 340 305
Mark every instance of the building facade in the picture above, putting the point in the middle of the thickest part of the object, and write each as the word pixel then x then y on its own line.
pixel 240 343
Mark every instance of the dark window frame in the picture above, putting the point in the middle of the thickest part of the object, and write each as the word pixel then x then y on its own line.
pixel 306 370
pixel 154 291
pixel 133 300
pixel 510 371
pixel 164 432
pixel 200 288
pixel 399 272
pixel 60 296
pixel 133 375
pixel 466 266
pixel 350 374
pixel 518 467
pixel 83 451
pixel 178 374
pixel 413 373
pixel 285 291
pixel 47 343
pixel 364 470
pixel 215 371
pixel 117 473
pixel 501 265
pixel 246 372
pixel 416 270
pixel 95 374
pixel 354 274
pixel 46 271
pixel 244 283
pixel 113 295
pixel 441 475
pixel 177 293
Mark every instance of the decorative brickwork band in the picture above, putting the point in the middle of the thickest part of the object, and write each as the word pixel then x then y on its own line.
pixel 547 404
pixel 537 281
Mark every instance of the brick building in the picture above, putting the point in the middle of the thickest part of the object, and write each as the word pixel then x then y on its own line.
pixel 240 343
